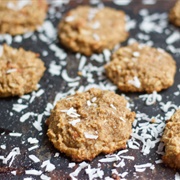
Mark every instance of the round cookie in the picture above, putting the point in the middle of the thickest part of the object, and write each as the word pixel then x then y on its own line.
pixel 171 139
pixel 20 71
pixel 140 68
pixel 174 14
pixel 90 30
pixel 21 16
pixel 89 123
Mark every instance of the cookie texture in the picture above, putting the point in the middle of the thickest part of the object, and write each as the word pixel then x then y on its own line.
pixel 21 16
pixel 174 14
pixel 90 30
pixel 89 123
pixel 20 71
pixel 140 68
pixel 171 139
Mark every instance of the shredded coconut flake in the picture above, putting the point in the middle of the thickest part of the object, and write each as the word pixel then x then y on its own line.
pixel 121 2
pixel 93 99
pixel 49 166
pixel 19 107
pixel 150 2
pixel 173 37
pixel 120 164
pixel 122 119
pixel 39 92
pixel 26 116
pixel 3 146
pixel 1 50
pixel 33 172
pixel 12 155
pixel 49 29
pixel 110 159
pixel 140 169
pixel 135 82
pixel 37 125
pixel 15 134
pixel 151 98
pixel 96 37
pixel 107 54
pixel 34 158
pixel 74 122
pixel 81 166
pixel 44 177
pixel 56 154
pixel 166 106
pixel 54 69
pixel 90 136
pixel 177 176
pixel 69 18
pixel 159 161
pixel 19 5
pixel 71 112
pixel 9 71
pixel 111 105
pixel 95 25
pixel 94 173
pixel 18 39
pixel 71 165
pixel 82 62
pixel 33 147
pixel 67 78
pixel 128 157
pixel 14 173
pixel 143 165
pixel 32 140
pixel 136 54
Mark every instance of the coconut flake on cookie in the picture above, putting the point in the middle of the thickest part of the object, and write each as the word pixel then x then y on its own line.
pixel 19 5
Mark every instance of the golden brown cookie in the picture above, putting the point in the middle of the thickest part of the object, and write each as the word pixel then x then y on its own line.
pixel 20 71
pixel 171 139
pixel 140 68
pixel 21 16
pixel 90 30
pixel 174 14
pixel 89 123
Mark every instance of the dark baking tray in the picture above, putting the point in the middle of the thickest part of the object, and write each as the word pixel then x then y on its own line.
pixel 54 84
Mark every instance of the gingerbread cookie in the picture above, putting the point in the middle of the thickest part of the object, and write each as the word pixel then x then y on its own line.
pixel 89 123
pixel 90 30
pixel 171 139
pixel 21 16
pixel 174 14
pixel 140 68
pixel 20 71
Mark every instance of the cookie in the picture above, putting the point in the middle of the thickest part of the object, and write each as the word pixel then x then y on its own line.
pixel 140 68
pixel 171 139
pixel 90 30
pixel 89 123
pixel 21 16
pixel 20 71
pixel 174 14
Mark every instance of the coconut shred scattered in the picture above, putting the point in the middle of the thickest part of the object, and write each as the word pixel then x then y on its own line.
pixel 74 122
pixel 19 5
pixel 11 156
pixel 151 99
pixel 90 136
pixel 1 50
pixel 71 112
pixel 135 82
pixel 122 2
